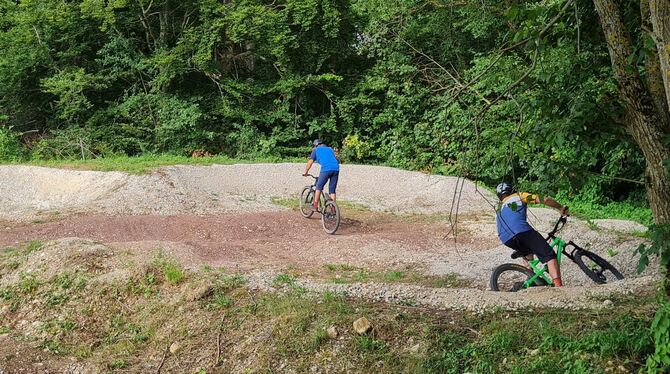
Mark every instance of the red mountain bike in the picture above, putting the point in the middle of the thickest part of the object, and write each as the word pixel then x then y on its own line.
pixel 330 212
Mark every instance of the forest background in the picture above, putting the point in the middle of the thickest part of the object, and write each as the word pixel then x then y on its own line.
pixel 522 91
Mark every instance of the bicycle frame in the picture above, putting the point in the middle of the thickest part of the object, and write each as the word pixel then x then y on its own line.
pixel 559 246
pixel 323 196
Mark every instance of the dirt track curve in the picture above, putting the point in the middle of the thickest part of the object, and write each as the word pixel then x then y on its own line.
pixel 224 216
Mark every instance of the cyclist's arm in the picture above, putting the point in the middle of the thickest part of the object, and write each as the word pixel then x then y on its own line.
pixel 310 162
pixel 548 201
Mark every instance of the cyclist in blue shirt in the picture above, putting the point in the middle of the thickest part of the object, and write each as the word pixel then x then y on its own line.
pixel 515 232
pixel 330 170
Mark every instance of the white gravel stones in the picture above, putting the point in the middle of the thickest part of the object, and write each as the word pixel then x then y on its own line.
pixel 29 192
pixel 620 225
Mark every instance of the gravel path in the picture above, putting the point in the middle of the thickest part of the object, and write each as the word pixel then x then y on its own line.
pixel 224 216
pixel 573 298
pixel 28 193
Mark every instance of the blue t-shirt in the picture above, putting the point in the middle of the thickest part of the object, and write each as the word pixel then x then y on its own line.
pixel 325 156
pixel 512 218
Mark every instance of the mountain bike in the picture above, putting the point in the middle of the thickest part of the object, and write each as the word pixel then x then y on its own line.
pixel 514 277
pixel 330 212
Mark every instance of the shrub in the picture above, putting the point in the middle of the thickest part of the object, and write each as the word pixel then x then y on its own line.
pixel 10 147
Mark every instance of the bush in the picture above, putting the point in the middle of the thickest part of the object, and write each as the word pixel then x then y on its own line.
pixel 10 147
pixel 354 148
pixel 659 361
pixel 68 144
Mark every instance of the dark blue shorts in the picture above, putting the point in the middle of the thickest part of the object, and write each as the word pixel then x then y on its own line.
pixel 325 176
pixel 531 242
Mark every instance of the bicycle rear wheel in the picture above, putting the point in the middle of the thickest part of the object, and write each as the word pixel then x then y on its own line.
pixel 330 217
pixel 596 267
pixel 306 202
pixel 511 277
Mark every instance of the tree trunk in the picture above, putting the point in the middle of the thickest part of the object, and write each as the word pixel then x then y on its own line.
pixel 163 25
pixel 660 19
pixel 655 80
pixel 648 128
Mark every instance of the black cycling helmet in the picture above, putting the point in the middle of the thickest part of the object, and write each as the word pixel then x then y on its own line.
pixel 317 142
pixel 504 189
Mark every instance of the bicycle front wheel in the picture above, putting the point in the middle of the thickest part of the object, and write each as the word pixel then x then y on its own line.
pixel 511 277
pixel 306 202
pixel 596 267
pixel 330 217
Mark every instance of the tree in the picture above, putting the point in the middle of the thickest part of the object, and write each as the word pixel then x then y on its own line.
pixel 647 126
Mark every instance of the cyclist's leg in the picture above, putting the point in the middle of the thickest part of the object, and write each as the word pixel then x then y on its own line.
pixel 323 177
pixel 332 184
pixel 526 261
pixel 516 245
pixel 534 241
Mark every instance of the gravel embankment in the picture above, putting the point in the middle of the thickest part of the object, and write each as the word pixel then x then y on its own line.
pixel 474 300
pixel 169 210
pixel 29 192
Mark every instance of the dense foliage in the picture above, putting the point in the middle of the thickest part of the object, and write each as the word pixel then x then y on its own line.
pixel 398 82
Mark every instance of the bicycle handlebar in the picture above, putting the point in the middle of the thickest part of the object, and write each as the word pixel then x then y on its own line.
pixel 310 175
pixel 558 226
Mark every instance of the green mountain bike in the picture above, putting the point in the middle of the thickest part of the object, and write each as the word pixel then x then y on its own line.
pixel 514 277
pixel 330 212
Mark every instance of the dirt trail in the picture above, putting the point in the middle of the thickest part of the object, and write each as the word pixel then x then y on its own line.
pixel 255 240
pixel 223 216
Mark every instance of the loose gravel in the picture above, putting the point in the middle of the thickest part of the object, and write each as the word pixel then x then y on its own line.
pixel 28 193
pixel 224 216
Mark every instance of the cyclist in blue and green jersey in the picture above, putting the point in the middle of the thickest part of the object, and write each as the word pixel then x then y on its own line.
pixel 515 232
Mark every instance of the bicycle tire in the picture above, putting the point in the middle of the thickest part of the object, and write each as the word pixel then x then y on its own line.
pixel 516 286
pixel 330 217
pixel 596 276
pixel 306 202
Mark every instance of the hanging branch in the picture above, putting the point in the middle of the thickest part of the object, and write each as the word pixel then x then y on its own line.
pixel 445 70
pixel 503 51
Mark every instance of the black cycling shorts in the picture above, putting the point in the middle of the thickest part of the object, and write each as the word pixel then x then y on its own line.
pixel 531 242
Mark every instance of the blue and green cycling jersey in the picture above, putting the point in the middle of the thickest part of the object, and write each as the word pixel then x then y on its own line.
pixel 512 218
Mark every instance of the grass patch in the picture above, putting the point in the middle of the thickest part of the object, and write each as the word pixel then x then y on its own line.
pixel 102 324
pixel 223 295
pixel 394 276
pixel 352 206
pixel 34 245
pixel 286 202
pixel 283 280
pixel 173 272
pixel 345 274
pixel 294 204
pixel 585 209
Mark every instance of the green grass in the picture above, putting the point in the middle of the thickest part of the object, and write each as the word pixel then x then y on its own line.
pixel 174 274
pixel 293 203
pixel 394 275
pixel 107 324
pixel 143 164
pixel 346 274
pixel 587 210
pixel 34 245
pixel 283 280
pixel 172 271
pixel 286 202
